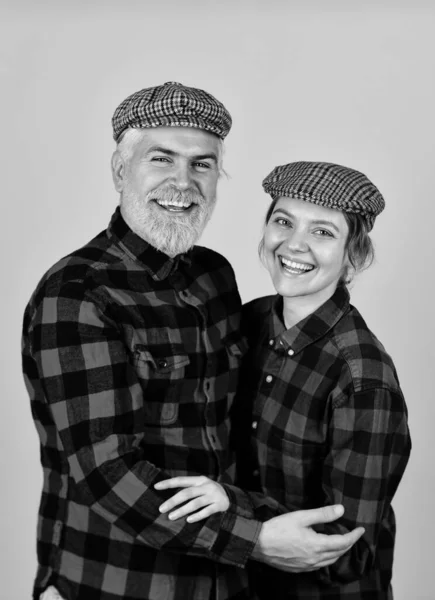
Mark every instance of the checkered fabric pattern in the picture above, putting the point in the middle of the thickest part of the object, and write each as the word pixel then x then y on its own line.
pixel 329 185
pixel 172 105
pixel 324 416
pixel 131 362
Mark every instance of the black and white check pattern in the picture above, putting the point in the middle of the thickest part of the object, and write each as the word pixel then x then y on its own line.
pixel 329 185
pixel 172 105
pixel 322 411
pixel 131 361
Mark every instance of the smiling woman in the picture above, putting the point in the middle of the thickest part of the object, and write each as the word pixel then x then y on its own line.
pixel 331 420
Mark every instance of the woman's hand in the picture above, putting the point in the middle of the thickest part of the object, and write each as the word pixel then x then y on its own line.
pixel 205 495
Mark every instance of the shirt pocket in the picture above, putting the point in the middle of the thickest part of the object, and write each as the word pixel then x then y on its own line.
pixel 161 372
pixel 302 466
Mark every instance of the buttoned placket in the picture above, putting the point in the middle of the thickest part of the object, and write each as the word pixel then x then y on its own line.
pixel 196 304
pixel 275 357
pixel 272 365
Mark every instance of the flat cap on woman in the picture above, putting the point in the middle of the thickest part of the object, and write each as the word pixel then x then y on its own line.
pixel 329 185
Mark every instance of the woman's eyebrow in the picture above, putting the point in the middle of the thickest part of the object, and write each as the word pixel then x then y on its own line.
pixel 208 156
pixel 326 223
pixel 288 214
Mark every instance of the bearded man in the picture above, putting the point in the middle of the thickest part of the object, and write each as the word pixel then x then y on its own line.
pixel 131 350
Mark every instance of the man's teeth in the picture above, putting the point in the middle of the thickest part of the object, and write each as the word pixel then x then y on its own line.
pixel 295 266
pixel 174 203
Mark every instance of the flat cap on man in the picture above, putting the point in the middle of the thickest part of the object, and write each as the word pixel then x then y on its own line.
pixel 329 185
pixel 171 105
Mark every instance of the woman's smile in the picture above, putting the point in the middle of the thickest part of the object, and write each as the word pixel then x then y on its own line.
pixel 294 267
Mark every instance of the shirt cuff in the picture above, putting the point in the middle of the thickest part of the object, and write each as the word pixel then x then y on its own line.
pixel 236 539
pixel 239 530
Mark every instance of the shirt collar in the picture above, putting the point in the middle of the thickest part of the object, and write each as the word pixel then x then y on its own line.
pixel 313 327
pixel 158 264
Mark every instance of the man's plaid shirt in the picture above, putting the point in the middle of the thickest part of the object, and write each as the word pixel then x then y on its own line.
pixel 131 362
pixel 321 408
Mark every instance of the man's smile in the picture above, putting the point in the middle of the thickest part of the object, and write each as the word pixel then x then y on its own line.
pixel 174 205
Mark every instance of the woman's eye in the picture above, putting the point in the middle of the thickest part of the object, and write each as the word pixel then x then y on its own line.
pixel 283 222
pixel 323 233
pixel 200 165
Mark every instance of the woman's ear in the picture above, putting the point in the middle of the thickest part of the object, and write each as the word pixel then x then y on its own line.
pixel 348 270
pixel 261 251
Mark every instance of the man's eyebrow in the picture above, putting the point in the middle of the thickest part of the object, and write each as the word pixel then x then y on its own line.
pixel 323 222
pixel 162 150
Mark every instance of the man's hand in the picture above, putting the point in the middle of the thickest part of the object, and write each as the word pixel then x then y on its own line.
pixel 205 495
pixel 289 543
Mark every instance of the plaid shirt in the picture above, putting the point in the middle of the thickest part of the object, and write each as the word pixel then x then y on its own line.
pixel 324 415
pixel 131 363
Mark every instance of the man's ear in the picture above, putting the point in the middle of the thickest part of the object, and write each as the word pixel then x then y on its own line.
pixel 118 171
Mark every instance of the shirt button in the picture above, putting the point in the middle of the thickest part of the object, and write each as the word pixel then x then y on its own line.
pixel 162 363
pixel 290 352
pixel 269 378
pixel 271 342
pixel 256 473
pixel 254 424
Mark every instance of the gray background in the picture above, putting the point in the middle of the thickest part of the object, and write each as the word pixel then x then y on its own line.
pixel 349 82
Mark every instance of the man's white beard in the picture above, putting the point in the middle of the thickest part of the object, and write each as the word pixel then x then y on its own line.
pixel 170 232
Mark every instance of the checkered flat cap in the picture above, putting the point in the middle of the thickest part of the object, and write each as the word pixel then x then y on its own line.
pixel 171 105
pixel 329 185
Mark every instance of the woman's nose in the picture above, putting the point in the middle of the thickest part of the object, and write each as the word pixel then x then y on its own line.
pixel 297 241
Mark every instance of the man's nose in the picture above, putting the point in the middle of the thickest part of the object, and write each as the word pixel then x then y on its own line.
pixel 183 176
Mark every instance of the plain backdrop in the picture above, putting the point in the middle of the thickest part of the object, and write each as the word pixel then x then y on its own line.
pixel 349 82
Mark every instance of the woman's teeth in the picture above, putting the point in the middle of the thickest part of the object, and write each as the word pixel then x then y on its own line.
pixel 294 267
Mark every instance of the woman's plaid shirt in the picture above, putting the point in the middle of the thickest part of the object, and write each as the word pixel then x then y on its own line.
pixel 328 424
pixel 131 362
